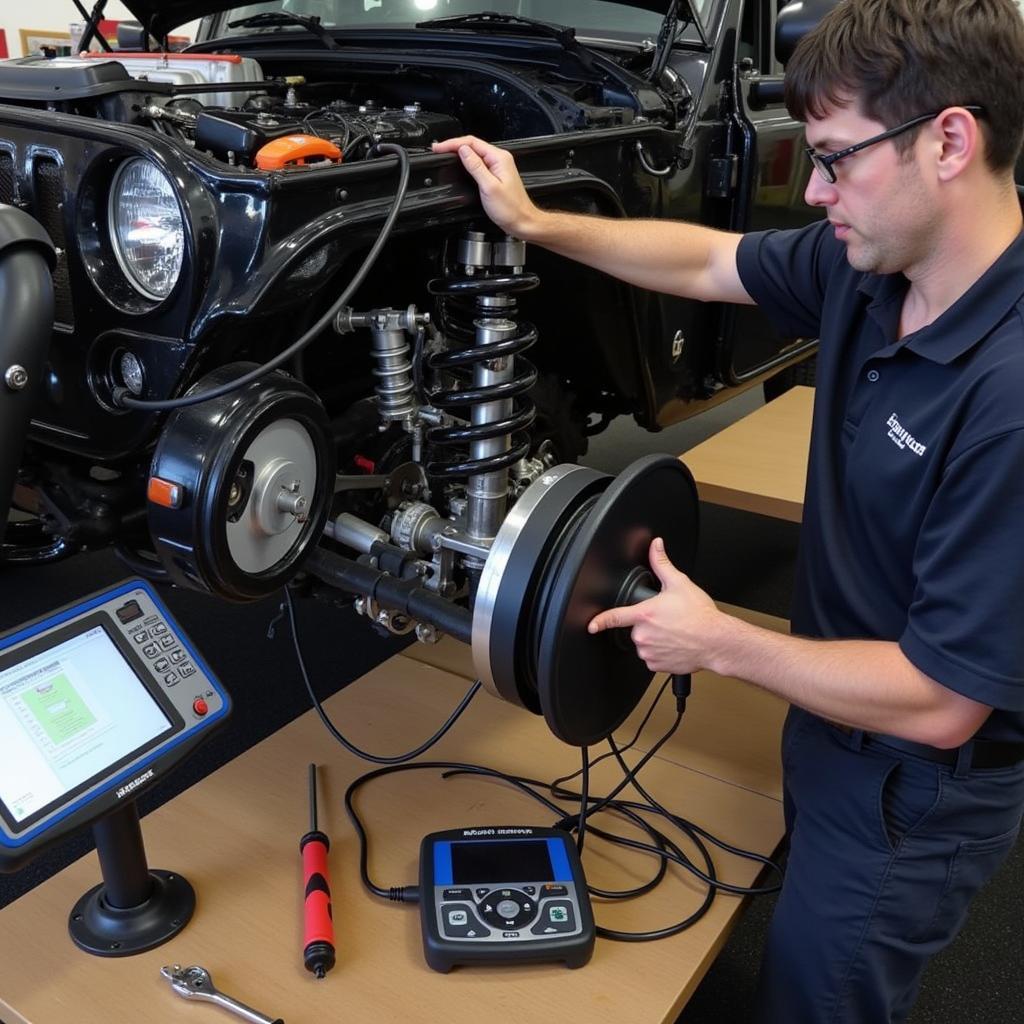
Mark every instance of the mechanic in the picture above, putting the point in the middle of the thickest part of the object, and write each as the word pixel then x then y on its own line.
pixel 904 750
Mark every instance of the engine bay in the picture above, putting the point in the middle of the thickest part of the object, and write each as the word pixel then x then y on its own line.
pixel 228 107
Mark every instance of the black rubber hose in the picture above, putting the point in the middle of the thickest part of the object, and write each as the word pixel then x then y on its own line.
pixel 404 596
pixel 26 297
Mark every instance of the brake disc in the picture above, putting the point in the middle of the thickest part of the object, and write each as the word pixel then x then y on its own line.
pixel 588 685
pixel 245 481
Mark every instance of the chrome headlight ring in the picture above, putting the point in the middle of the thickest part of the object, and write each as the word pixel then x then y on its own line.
pixel 147 228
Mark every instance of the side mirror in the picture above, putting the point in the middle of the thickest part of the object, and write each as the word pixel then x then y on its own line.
pixel 795 20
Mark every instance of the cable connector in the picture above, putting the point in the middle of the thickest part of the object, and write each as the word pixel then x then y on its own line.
pixel 404 894
pixel 567 824
pixel 681 685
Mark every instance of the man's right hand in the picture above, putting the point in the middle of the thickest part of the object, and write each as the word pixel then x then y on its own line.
pixel 502 192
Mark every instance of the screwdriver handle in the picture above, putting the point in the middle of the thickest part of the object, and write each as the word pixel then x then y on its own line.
pixel 318 937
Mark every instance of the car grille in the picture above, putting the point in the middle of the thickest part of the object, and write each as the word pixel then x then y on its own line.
pixel 49 211
pixel 7 179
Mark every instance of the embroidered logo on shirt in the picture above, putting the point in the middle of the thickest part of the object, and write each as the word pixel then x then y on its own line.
pixel 902 438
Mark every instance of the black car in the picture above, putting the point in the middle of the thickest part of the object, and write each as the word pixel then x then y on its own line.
pixel 279 319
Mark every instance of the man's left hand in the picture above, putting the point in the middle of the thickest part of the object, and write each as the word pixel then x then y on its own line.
pixel 673 632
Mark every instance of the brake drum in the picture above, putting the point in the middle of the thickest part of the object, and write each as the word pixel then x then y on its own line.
pixel 240 485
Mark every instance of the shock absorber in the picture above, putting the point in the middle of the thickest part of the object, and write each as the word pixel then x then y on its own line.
pixel 396 390
pixel 479 304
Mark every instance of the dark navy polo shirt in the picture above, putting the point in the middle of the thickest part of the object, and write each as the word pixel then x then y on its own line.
pixel 913 526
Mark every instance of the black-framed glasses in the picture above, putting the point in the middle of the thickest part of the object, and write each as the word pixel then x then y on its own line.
pixel 822 162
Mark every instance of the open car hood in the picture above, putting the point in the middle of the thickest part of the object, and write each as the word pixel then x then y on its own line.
pixel 160 16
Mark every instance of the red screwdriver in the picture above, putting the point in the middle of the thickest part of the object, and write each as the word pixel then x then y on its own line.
pixel 318 951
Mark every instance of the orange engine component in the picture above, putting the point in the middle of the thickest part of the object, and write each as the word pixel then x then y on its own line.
pixel 295 150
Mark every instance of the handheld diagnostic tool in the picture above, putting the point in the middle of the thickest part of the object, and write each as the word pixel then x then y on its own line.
pixel 98 700
pixel 503 895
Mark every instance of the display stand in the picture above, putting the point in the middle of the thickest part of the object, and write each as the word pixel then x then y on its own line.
pixel 133 909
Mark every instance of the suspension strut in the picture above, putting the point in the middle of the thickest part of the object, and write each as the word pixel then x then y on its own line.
pixel 479 306
pixel 393 367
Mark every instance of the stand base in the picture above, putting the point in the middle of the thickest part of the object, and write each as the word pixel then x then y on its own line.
pixel 103 930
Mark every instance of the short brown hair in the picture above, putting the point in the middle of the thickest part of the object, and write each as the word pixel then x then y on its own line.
pixel 899 59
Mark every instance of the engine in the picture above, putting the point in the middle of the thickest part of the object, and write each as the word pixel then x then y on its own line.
pixel 222 105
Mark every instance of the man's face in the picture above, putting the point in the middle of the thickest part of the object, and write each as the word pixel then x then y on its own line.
pixel 879 205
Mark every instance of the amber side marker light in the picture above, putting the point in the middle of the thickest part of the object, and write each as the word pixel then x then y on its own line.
pixel 165 492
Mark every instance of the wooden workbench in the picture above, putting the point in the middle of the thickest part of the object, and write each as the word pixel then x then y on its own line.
pixel 759 463
pixel 235 837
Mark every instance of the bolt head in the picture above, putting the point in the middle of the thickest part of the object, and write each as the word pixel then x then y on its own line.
pixel 16 377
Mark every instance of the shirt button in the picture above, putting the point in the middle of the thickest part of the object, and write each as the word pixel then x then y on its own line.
pixel 873 375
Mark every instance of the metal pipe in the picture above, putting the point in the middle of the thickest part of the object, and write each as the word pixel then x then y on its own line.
pixel 487 493
pixel 404 596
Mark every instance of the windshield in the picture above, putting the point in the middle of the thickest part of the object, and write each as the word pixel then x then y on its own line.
pixel 592 19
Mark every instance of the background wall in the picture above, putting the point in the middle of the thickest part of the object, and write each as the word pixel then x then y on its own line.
pixel 55 16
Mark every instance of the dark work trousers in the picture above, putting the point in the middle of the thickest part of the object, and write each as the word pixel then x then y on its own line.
pixel 886 851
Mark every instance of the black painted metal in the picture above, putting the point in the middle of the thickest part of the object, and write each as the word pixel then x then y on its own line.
pixel 202 448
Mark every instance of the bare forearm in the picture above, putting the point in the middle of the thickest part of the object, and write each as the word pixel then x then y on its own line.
pixel 663 256
pixel 866 684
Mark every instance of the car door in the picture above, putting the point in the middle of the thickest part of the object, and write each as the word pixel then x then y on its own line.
pixel 769 189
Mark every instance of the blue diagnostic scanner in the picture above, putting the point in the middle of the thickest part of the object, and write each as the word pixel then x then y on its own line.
pixel 503 895
pixel 98 700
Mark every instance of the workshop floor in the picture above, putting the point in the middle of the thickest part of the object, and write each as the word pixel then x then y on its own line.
pixel 743 559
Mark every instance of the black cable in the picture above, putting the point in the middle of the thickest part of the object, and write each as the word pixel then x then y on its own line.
pixel 400 894
pixel 125 400
pixel 694 830
pixel 662 847
pixel 629 746
pixel 395 759
pixel 350 147
pixel 581 827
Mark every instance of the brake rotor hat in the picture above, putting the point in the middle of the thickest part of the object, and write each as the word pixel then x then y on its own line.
pixel 589 684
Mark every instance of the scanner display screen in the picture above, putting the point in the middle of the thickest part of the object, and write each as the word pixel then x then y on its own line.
pixel 512 861
pixel 69 714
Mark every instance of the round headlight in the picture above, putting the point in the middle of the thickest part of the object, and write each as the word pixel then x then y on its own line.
pixel 146 228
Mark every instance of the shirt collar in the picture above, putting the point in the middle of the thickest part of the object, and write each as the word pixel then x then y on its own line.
pixel 970 319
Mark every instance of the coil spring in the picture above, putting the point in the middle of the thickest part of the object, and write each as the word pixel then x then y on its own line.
pixel 465 297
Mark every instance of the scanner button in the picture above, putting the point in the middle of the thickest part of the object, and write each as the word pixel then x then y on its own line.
pixel 557 917
pixel 554 890
pixel 167 641
pixel 129 611
pixel 159 628
pixel 459 922
pixel 186 668
pixel 481 893
pixel 151 650
pixel 141 637
pixel 200 707
pixel 456 894
pixel 508 908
